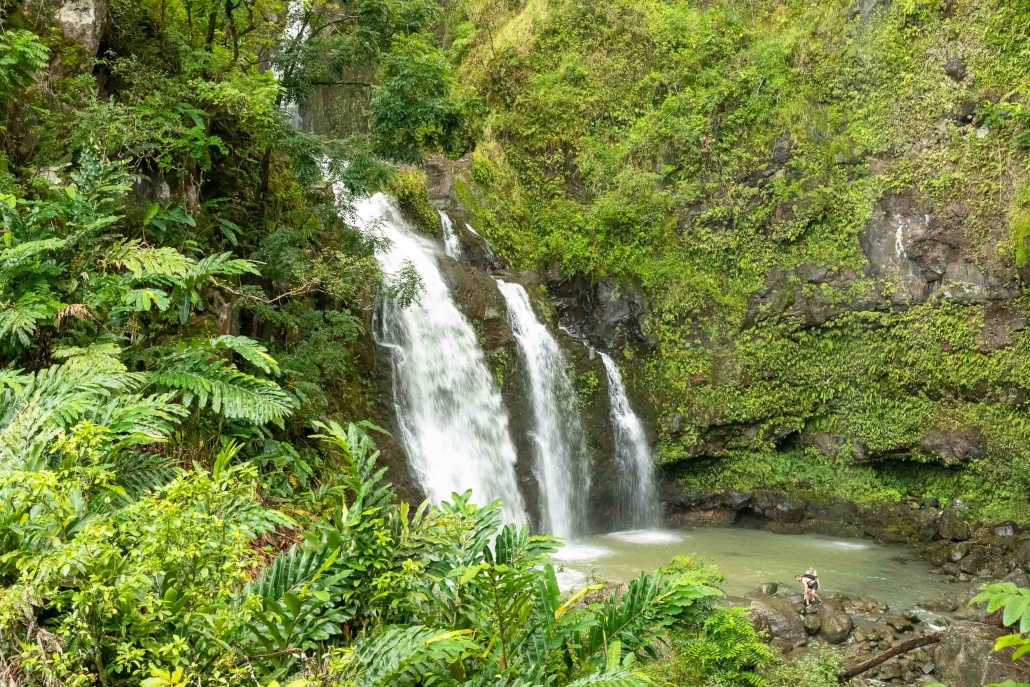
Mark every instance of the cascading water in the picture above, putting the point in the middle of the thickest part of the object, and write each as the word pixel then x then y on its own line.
pixel 637 506
pixel 558 438
pixel 451 420
pixel 451 242
pixel 293 35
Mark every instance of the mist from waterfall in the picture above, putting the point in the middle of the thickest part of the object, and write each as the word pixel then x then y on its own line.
pixel 557 435
pixel 637 504
pixel 452 422
pixel 451 242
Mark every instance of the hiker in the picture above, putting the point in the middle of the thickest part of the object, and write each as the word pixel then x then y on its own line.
pixel 811 582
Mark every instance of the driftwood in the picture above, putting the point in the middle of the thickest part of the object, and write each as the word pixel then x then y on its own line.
pixel 856 669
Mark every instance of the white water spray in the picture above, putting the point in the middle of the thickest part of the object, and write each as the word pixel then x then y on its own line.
pixel 557 435
pixel 637 496
pixel 451 420
pixel 451 242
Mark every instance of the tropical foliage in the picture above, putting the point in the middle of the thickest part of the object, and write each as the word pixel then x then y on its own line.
pixel 121 567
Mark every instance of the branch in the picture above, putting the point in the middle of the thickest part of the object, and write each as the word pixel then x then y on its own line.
pixel 343 83
pixel 902 648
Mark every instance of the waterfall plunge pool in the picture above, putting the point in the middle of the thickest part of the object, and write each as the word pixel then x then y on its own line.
pixel 855 567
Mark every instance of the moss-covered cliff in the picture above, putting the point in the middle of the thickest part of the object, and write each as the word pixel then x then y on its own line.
pixel 805 222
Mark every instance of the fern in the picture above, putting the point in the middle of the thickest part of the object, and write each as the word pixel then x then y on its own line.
pixel 142 262
pixel 18 320
pixel 22 56
pixel 141 473
pixel 50 400
pixel 248 349
pixel 226 390
pixel 142 300
pixel 289 572
pixel 399 656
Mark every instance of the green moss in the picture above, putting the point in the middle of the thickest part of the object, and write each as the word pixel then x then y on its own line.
pixel 636 139
pixel 410 188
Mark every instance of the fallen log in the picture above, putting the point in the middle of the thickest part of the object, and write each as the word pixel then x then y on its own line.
pixel 904 647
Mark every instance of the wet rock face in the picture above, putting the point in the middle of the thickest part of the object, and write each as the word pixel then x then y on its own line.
pixel 476 250
pixel 83 22
pixel 609 313
pixel 778 507
pixel 965 657
pixel 920 253
pixel 477 296
pixel 1001 323
pixel 953 446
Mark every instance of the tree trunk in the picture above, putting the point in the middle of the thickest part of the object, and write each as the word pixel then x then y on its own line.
pixel 904 647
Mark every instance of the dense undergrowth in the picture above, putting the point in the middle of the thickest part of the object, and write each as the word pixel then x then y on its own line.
pixel 183 318
pixel 704 152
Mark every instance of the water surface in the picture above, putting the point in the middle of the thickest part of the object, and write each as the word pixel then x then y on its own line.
pixel 856 567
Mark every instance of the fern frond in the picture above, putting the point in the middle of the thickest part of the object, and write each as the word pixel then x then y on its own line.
pixel 142 473
pixel 50 400
pixel 100 357
pixel 398 656
pixel 18 320
pixel 225 389
pixel 15 258
pixel 619 678
pixel 248 349
pixel 147 263
pixel 288 572
pixel 135 419
pixel 141 300
pixel 221 264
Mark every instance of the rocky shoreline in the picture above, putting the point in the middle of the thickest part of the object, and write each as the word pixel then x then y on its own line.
pixel 959 637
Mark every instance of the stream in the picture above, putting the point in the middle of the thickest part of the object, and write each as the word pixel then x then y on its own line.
pixel 855 567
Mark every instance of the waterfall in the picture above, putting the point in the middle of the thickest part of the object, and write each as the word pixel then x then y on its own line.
pixel 451 242
pixel 637 505
pixel 451 419
pixel 293 34
pixel 557 435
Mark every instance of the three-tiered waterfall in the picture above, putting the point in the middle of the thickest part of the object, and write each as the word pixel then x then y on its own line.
pixel 450 416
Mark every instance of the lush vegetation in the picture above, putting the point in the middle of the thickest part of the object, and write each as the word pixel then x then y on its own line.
pixel 183 327
pixel 724 158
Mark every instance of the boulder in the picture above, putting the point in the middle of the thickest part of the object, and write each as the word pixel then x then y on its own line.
pixel 959 551
pixel 953 446
pixel 1018 577
pixel 970 564
pixel 965 657
pixel 83 22
pixel 951 525
pixel 955 69
pixel 1022 557
pixel 1005 529
pixel 900 623
pixel 813 624
pixel 777 617
pixel 942 603
pixel 769 588
pixel 835 626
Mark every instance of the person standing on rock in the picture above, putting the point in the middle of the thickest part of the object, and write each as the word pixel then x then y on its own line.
pixel 811 582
